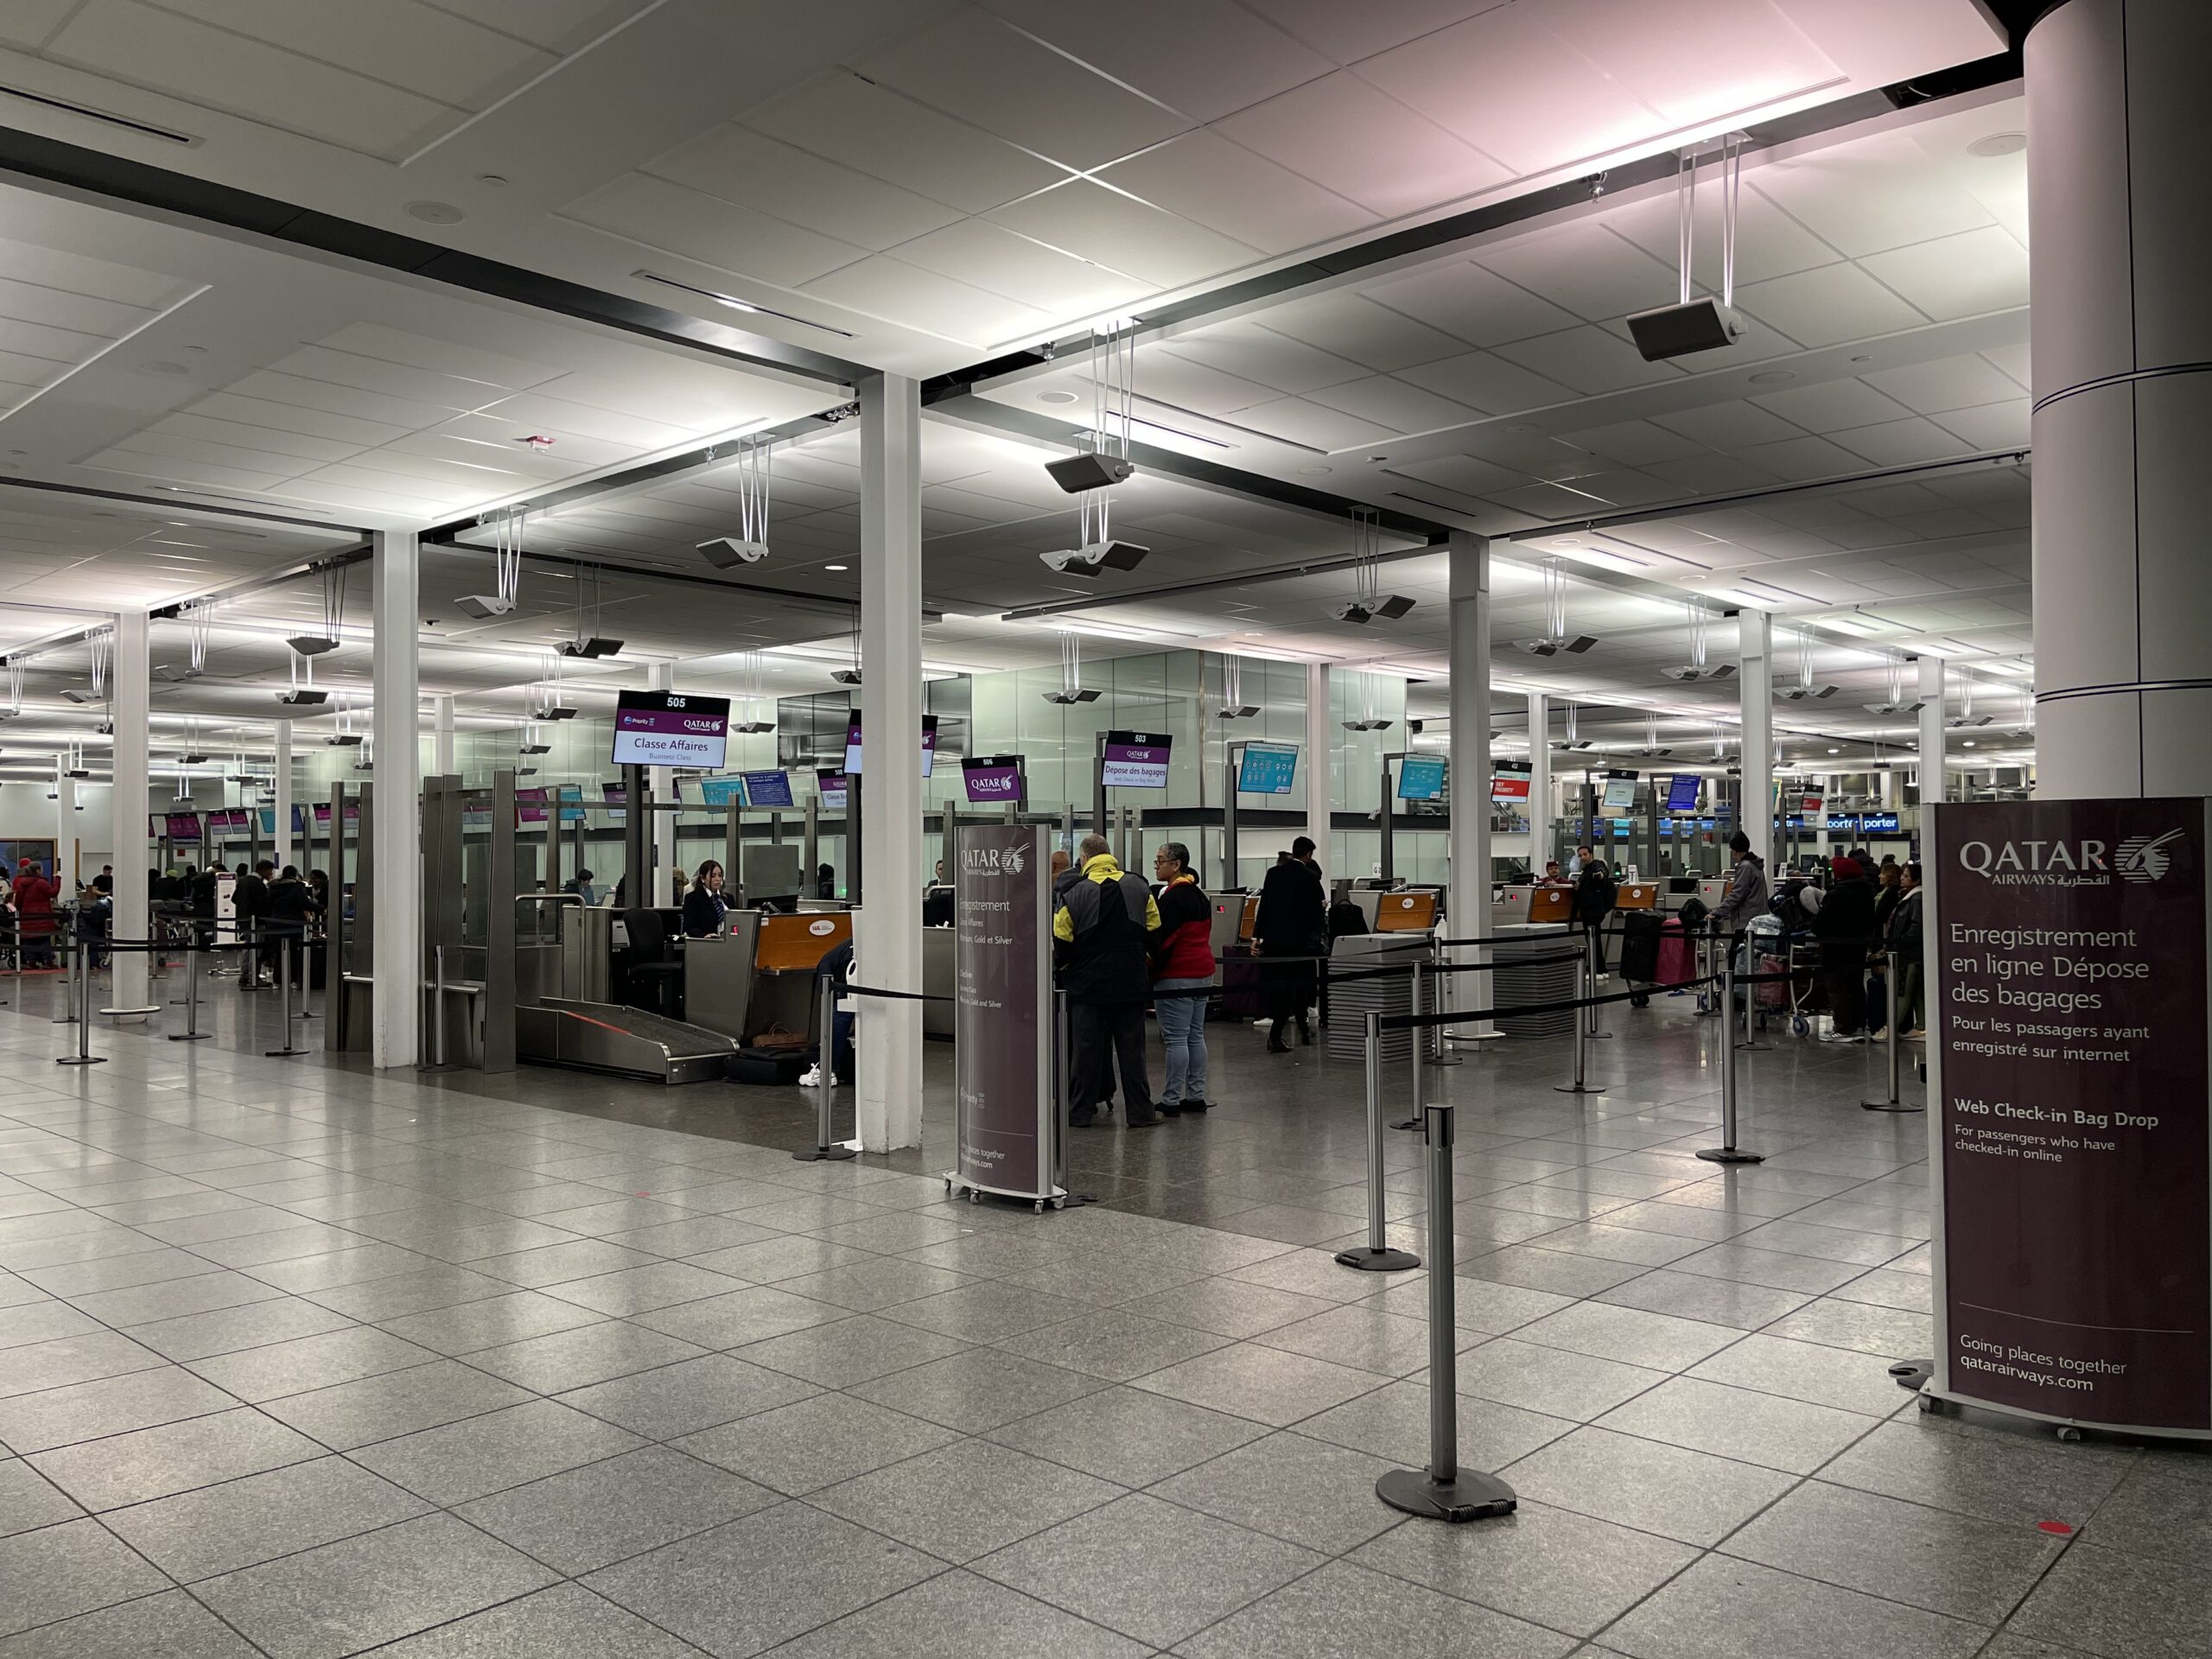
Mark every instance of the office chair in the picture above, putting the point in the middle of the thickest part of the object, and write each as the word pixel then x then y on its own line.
pixel 653 962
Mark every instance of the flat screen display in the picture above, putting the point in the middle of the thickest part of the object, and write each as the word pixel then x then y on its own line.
pixel 614 795
pixel 1420 777
pixel 1682 790
pixel 567 793
pixel 1620 791
pixel 830 785
pixel 767 788
pixel 721 791
pixel 853 743
pixel 1812 804
pixel 1508 784
pixel 671 728
pixel 529 805
pixel 992 779
pixel 321 814
pixel 1136 761
pixel 1267 769
pixel 183 829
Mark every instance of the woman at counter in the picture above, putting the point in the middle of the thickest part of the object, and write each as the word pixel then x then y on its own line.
pixel 703 905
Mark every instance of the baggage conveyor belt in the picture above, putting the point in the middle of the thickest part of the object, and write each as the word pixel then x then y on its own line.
pixel 627 1042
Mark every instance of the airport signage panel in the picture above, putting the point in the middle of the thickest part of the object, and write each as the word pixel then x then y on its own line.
pixel 671 728
pixel 1002 1018
pixel 1136 761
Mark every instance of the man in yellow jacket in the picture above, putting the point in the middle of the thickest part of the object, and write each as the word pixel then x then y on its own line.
pixel 1102 932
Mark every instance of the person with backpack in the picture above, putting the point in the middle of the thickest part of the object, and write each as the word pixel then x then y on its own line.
pixel 1845 924
pixel 1101 928
pixel 1182 960
pixel 1595 893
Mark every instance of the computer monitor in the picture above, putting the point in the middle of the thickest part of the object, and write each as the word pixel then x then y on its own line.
pixel 767 788
pixel 1682 792
pixel 1266 768
pixel 1620 791
pixel 721 791
pixel 1420 777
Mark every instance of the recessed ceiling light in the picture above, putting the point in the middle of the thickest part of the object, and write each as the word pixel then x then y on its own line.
pixel 1999 143
pixel 1056 396
pixel 1316 472
pixel 494 180
pixel 435 212
pixel 837 567
pixel 1864 356
pixel 1772 377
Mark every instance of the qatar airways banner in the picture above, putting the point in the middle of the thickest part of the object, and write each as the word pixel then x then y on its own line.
pixel 1003 1025
pixel 2066 954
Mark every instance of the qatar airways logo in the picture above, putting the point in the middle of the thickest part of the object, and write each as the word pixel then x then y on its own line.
pixel 2140 860
pixel 993 860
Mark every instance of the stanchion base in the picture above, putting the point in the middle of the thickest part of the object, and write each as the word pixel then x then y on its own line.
pixel 1469 1496
pixel 191 1036
pixel 151 1008
pixel 1575 1089
pixel 817 1154
pixel 1912 1375
pixel 1369 1259
pixel 81 1060
pixel 1413 1124
pixel 1597 1036
pixel 1730 1155
pixel 290 1053
pixel 1888 1106
pixel 1751 1048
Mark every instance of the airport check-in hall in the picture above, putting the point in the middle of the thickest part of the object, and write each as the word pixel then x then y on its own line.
pixel 1256 830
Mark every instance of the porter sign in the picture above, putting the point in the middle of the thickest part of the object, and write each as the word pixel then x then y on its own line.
pixel 1002 1027
pixel 2074 1225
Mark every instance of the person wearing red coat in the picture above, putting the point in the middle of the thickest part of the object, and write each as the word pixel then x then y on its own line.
pixel 34 896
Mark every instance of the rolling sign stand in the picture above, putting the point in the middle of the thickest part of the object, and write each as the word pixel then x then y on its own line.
pixel 1002 1017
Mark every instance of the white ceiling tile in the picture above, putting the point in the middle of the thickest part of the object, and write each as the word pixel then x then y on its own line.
pixel 876 131
pixel 1948 383
pixel 441 356
pixel 1254 353
pixel 992 257
pixel 398 42
pixel 1898 443
pixel 1728 426
pixel 61 309
pixel 1798 459
pixel 1223 57
pixel 1296 420
pixel 1184 383
pixel 557 25
pixel 219 70
pixel 1465 473
pixel 1348 33
pixel 1205 178
pixel 1866 196
pixel 715 232
pixel 1827 305
pixel 27 22
pixel 1586 268
pixel 1992 426
pixel 287 414
pixel 1488 383
pixel 269 440
pixel 1769 243
pixel 1554 502
pixel 1587 359
pixel 74 273
pixel 1624 488
pixel 1341 133
pixel 185 472
pixel 1830 405
pixel 1633 444
pixel 175 445
pixel 406 414
pixel 738 164
pixel 2012 362
pixel 35 340
pixel 443 391
pixel 1352 326
pixel 1516 90
pixel 1962 276
pixel 1693 63
pixel 530 411
pixel 1388 401
pixel 1476 305
pixel 1110 229
pixel 975 69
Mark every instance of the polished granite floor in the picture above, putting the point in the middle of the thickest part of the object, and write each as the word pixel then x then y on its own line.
pixel 299 1360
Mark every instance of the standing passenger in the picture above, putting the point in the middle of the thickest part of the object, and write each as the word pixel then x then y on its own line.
pixel 1182 960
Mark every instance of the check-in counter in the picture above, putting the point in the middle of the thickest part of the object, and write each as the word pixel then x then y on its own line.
pixel 1413 912
pixel 1551 907
pixel 1636 895
pixel 1349 1003
pixel 1509 906
pixel 1553 981
pixel 719 976
pixel 786 954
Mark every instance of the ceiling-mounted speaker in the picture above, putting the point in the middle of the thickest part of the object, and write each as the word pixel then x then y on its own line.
pixel 484 607
pixel 595 646
pixel 314 645
pixel 1699 325
pixel 1088 471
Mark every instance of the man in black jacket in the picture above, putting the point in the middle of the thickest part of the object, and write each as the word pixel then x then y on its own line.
pixel 291 907
pixel 1293 920
pixel 1102 930
pixel 1594 894
pixel 250 906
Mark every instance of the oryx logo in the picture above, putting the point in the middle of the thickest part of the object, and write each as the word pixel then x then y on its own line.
pixel 2144 858
pixel 1016 860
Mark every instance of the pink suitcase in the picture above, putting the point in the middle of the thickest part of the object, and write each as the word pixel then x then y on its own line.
pixel 1677 960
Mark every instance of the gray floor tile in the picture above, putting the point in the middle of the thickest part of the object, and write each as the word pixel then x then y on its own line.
pixel 1775 1269
pixel 2117 1605
pixel 1688 1496
pixel 1887 1332
pixel 198 1336
pixel 239 1523
pixel 1725 1609
pixel 316 1362
pixel 170 1626
pixel 1114 1343
pixel 977 1390
pixel 742 1588
pixel 1791 1435
pixel 1226 1306
pixel 775 1261
pixel 606 1512
pixel 112 1405
pixel 1393 1423
pixel 57 1363
pixel 1909 1292
pixel 815 1443
pixel 1128 1436
pixel 28 1500
pixel 553 1264
pixel 1560 1272
pixel 1550 1379
pixel 1971 1569
pixel 983 1311
pixel 879 1282
pixel 73 1568
pixel 966 1499
pixel 691 1234
pixel 1148 1569
pixel 1805 1370
pixel 2152 1514
pixel 413 1291
pixel 142 1304
pixel 1716 1301
pixel 959 1616
pixel 383 1408
pixel 1657 1341
pixel 492 1322
pixel 688 1396
pixel 1999 1476
pixel 1567 1571
pixel 44 1322
pixel 1344 1611
pixel 1308 1491
pixel 1309 1273
pixel 456 1462
pixel 1365 1336
pixel 850 1351
pixel 566 1622
pixel 150 1462
pixel 1265 1385
pixel 344 1597
pixel 578 1358
pixel 641 1289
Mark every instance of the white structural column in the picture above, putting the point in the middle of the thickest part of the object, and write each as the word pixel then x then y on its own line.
pixel 1933 785
pixel 1755 768
pixel 1540 780
pixel 395 1020
pixel 1468 559
pixel 441 737
pixel 660 783
pixel 2122 355
pixel 282 766
pixel 887 950
pixel 1320 764
pixel 133 717
pixel 64 824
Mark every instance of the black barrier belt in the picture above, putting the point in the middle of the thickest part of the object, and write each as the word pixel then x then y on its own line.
pixel 1410 1021
pixel 891 996
pixel 1511 938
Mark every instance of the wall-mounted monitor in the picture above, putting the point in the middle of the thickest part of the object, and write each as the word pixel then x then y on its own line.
pixel 1266 768
pixel 566 794
pixel 830 785
pixel 529 805
pixel 1420 777
pixel 853 743
pixel 767 788
pixel 721 791
pixel 1682 792
pixel 671 728
pixel 1619 792
pixel 1136 761
pixel 183 829
pixel 1510 783
pixel 992 779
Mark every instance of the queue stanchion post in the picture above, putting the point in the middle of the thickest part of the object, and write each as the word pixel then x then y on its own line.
pixel 1376 1255
pixel 84 1055
pixel 1420 1083
pixel 1441 967
pixel 190 1033
pixel 1891 968
pixel 1594 937
pixel 1750 995
pixel 1728 1152
pixel 826 1147
pixel 284 960
pixel 1585 989
pixel 1443 1491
